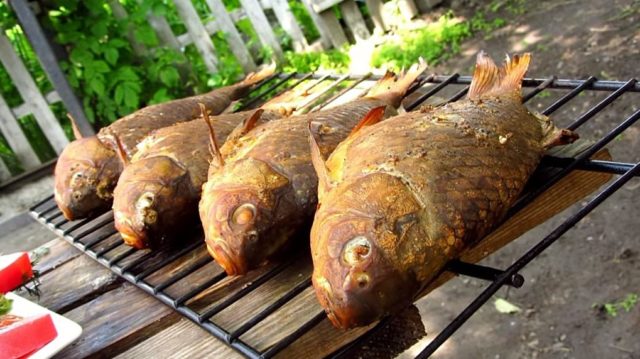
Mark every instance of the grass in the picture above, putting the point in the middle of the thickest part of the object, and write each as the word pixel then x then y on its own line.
pixel 613 308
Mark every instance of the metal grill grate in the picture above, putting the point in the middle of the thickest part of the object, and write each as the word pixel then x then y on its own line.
pixel 98 238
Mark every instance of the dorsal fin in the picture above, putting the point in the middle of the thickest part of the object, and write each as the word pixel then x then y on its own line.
pixel 249 123
pixel 489 80
pixel 214 149
pixel 74 126
pixel 371 118
pixel 122 154
pixel 391 88
pixel 324 181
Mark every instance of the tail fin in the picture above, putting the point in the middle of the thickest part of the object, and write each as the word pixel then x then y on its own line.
pixel 255 77
pixel 392 88
pixel 489 80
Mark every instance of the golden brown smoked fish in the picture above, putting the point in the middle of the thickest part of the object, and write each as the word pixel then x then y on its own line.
pixel 88 168
pixel 401 198
pixel 267 187
pixel 157 194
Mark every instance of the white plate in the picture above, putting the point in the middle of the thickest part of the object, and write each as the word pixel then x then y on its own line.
pixel 68 330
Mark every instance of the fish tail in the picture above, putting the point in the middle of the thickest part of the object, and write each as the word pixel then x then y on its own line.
pixel 255 77
pixel 392 87
pixel 490 80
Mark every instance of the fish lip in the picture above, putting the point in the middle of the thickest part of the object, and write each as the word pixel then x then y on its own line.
pixel 131 236
pixel 224 257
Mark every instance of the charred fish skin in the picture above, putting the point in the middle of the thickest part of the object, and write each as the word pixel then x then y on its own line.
pixel 268 188
pixel 391 219
pixel 157 194
pixel 94 159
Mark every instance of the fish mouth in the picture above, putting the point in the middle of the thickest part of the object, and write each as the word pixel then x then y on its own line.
pixel 344 310
pixel 130 236
pixel 225 258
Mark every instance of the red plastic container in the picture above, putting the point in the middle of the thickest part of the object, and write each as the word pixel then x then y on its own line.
pixel 23 337
pixel 15 269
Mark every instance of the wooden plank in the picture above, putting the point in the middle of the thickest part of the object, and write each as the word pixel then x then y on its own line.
pixel 4 171
pixel 261 25
pixel 115 321
pixel 331 25
pixel 181 340
pixel 121 14
pixel 198 34
pixel 161 27
pixel 24 109
pixel 15 137
pixel 74 283
pixel 289 24
pixel 408 9
pixel 375 9
pixel 354 20
pixel 237 45
pixel 317 21
pixel 31 94
pixel 58 252
pixel 321 5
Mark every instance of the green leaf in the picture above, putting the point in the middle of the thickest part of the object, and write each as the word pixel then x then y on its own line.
pixel 80 56
pixel 100 29
pixel 119 93
pixel 5 305
pixel 160 96
pixel 505 307
pixel 100 66
pixel 118 43
pixel 111 55
pixel 146 35
pixel 97 85
pixel 131 98
pixel 169 76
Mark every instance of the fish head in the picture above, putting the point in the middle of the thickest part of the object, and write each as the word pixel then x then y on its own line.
pixel 358 245
pixel 152 199
pixel 243 213
pixel 86 173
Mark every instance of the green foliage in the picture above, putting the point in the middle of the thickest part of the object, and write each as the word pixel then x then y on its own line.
pixel 5 304
pixel 336 60
pixel 304 20
pixel 434 42
pixel 626 304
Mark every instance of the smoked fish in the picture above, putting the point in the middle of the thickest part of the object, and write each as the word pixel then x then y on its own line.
pixel 157 195
pixel 267 187
pixel 88 168
pixel 401 198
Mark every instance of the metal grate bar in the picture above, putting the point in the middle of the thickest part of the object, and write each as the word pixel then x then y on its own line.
pixel 99 239
pixel 459 94
pixel 108 248
pixel 541 87
pixel 432 92
pixel 292 86
pixel 604 103
pixel 295 335
pixel 48 209
pixel 108 218
pixel 150 270
pixel 318 95
pixel 573 93
pixel 121 256
pixel 242 292
pixel 264 93
pixel 293 292
pixel 76 226
pixel 40 203
pixel 483 272
pixel 341 93
pixel 588 165
pixel 183 273
pixel 193 292
pixel 524 260
pixel 527 198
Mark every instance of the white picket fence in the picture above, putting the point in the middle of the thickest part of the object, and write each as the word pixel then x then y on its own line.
pixel 199 34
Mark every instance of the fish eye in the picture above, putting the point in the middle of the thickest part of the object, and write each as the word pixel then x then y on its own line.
pixel 356 249
pixel 244 214
pixel 145 200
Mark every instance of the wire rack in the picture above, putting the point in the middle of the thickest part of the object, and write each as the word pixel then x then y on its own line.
pixel 98 238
